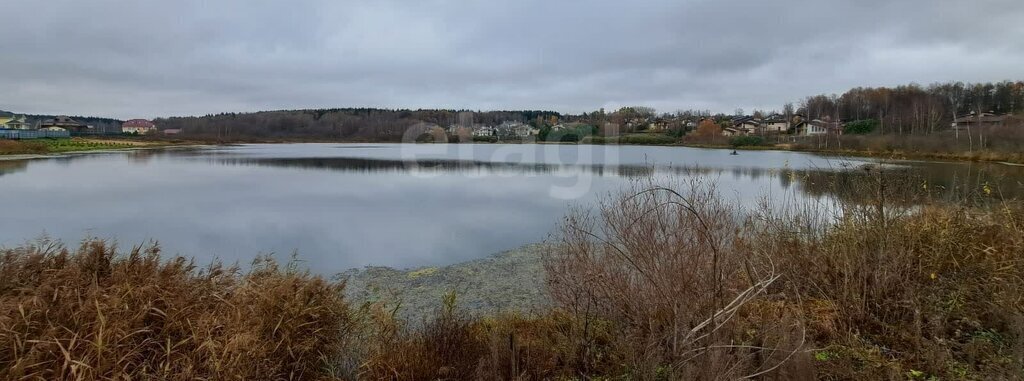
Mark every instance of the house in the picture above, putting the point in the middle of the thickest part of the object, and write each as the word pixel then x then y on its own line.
pixel 138 127
pixel 985 119
pixel 796 122
pixel 64 123
pixel 14 122
pixel 815 127
pixel 819 127
pixel 657 126
pixel 733 131
pixel 775 124
pixel 748 124
pixel 513 130
pixel 484 131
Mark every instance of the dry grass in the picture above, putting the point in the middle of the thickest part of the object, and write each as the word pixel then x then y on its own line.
pixel 1004 143
pixel 16 147
pixel 453 346
pixel 892 291
pixel 93 314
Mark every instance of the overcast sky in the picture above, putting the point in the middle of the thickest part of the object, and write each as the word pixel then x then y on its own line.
pixel 138 58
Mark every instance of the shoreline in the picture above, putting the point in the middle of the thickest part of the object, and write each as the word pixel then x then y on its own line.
pixel 891 155
pixel 38 156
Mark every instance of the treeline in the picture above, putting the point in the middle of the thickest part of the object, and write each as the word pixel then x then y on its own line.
pixel 908 109
pixel 913 109
pixel 365 124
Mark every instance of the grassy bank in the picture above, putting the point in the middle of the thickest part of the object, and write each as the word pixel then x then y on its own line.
pixel 1003 144
pixel 655 283
pixel 977 156
pixel 69 145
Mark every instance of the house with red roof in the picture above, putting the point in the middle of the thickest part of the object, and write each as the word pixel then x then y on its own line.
pixel 138 127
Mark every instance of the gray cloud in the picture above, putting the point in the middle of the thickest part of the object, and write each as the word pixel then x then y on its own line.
pixel 138 58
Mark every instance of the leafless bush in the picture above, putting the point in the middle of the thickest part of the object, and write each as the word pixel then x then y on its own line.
pixel 663 269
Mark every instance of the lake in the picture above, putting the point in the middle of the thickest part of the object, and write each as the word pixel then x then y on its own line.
pixel 339 206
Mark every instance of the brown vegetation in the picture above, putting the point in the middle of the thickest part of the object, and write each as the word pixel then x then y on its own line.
pixel 1005 143
pixel 893 289
pixel 16 147
pixel 664 271
pixel 93 314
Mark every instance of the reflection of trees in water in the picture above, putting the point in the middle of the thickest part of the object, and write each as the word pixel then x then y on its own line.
pixel 12 166
pixel 143 156
pixel 459 166
pixel 896 186
pixel 904 185
pixel 908 185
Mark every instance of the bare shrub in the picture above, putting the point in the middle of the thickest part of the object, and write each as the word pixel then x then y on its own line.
pixel 662 270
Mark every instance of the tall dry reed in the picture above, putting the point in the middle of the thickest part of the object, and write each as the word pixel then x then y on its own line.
pixel 92 313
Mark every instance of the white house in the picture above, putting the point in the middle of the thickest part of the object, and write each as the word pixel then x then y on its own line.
pixel 820 127
pixel 484 131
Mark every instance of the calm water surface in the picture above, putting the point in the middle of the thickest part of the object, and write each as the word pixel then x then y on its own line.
pixel 350 205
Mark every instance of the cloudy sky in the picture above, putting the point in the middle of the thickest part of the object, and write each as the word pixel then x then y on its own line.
pixel 139 58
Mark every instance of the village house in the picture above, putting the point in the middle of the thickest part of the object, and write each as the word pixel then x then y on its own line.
pixel 64 123
pixel 484 131
pixel 138 127
pixel 819 127
pixel 732 131
pixel 513 130
pixel 14 122
pixel 746 124
pixel 985 119
pixel 775 124
pixel 658 126
pixel 522 131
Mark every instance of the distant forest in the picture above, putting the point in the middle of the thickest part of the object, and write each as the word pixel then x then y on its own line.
pixel 358 124
pixel 914 109
pixel 909 109
pixel 902 110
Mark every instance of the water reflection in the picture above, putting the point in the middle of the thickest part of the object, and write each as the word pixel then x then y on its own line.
pixel 342 206
pixel 12 166
pixel 849 182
